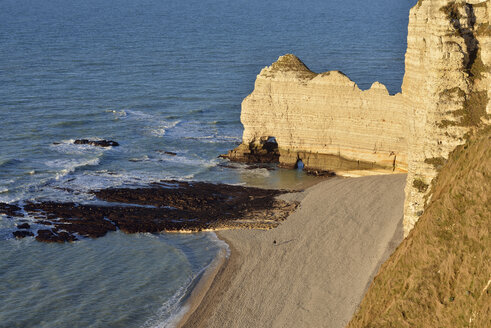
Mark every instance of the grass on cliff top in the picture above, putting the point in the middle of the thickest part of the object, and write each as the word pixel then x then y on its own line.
pixel 291 63
pixel 440 276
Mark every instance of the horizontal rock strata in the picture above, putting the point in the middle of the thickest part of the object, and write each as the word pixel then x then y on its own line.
pixel 324 120
pixel 445 87
pixel 169 206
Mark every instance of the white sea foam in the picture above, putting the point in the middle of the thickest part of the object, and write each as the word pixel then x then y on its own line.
pixel 215 138
pixel 222 244
pixel 199 162
pixel 136 114
pixel 90 180
pixel 170 313
pixel 9 224
pixel 163 127
pixel 67 166
pixel 243 169
pixel 16 194
pixel 144 158
pixel 157 126
pixel 261 172
pixel 173 310
pixel 117 113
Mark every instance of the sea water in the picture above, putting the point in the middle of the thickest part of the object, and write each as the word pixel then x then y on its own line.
pixel 155 76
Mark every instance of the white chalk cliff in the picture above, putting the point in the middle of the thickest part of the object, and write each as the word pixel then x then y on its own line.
pixel 446 87
pixel 325 120
pixel 328 123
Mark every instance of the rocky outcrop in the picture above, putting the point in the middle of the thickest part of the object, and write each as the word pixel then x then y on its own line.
pixel 169 206
pixel 328 123
pixel 324 120
pixel 97 143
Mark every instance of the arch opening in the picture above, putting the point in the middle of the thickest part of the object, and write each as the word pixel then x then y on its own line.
pixel 299 165
pixel 270 145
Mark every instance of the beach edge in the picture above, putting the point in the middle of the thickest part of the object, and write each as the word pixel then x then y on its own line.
pixel 202 296
pixel 208 307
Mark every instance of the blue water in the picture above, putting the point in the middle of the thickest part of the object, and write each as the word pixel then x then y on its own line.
pixel 154 76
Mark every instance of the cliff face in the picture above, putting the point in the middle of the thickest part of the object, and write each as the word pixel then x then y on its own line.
pixel 354 129
pixel 328 123
pixel 445 87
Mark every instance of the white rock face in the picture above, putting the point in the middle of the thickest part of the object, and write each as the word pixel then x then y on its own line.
pixel 446 88
pixel 326 121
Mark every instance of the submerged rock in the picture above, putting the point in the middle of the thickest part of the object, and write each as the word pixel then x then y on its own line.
pixel 50 236
pixel 22 234
pixel 320 173
pixel 170 153
pixel 24 226
pixel 10 210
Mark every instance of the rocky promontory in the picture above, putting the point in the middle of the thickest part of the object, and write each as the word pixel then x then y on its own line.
pixel 167 206
pixel 323 120
pixel 328 123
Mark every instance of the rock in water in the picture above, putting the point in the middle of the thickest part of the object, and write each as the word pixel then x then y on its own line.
pixel 22 234
pixel 97 143
pixel 168 206
pixel 50 236
pixel 262 152
pixel 10 210
pixel 24 226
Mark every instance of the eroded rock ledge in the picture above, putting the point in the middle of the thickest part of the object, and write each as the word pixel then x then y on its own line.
pixel 169 206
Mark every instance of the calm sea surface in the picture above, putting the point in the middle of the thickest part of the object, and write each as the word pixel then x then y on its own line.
pixel 154 76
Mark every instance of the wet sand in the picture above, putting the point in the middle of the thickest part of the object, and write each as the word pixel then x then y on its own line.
pixel 313 270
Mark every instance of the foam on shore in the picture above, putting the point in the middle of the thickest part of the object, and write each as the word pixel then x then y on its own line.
pixel 188 297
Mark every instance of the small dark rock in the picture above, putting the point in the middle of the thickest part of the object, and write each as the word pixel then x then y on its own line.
pixel 22 234
pixel 44 222
pixel 170 153
pixel 10 210
pixel 97 143
pixel 24 226
pixel 320 173
pixel 49 236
